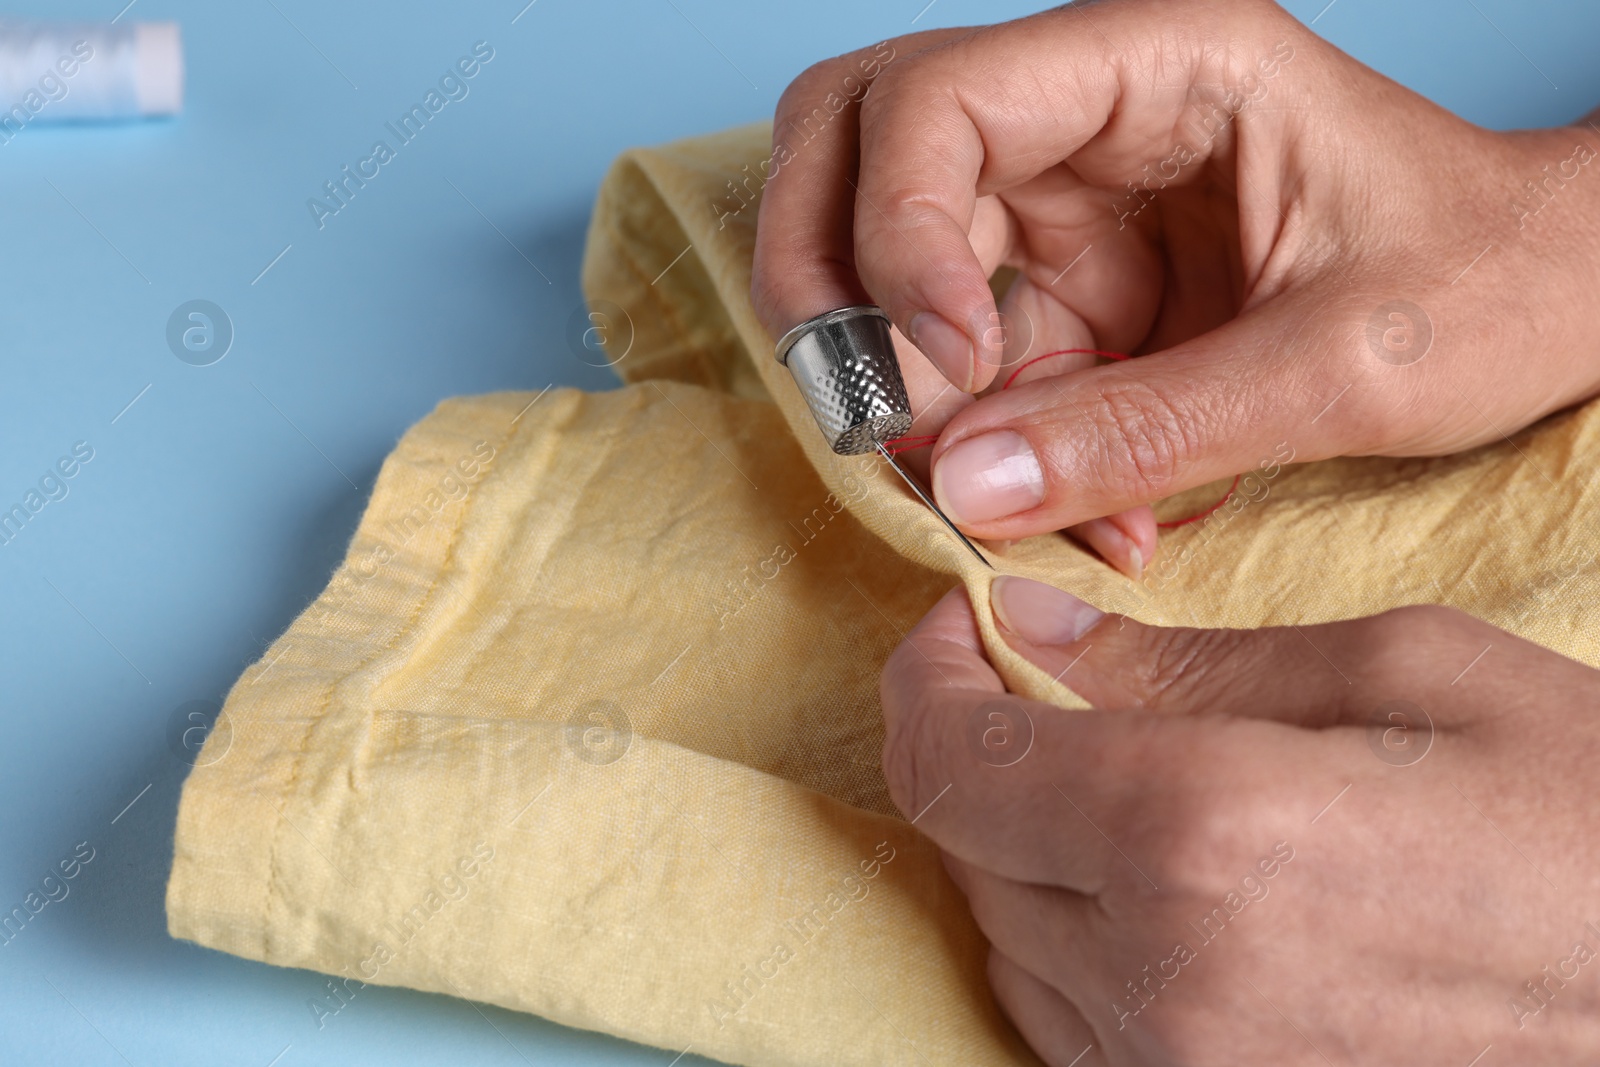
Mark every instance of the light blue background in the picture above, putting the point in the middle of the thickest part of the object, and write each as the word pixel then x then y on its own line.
pixel 208 518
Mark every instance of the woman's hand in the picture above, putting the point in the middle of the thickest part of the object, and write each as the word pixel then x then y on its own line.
pixel 1300 249
pixel 1369 842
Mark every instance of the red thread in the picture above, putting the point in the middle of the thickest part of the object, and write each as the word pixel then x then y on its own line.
pixel 1119 356
pixel 1063 352
pixel 1208 511
pixel 909 444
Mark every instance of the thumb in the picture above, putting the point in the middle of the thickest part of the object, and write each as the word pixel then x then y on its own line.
pixel 1068 448
pixel 1310 676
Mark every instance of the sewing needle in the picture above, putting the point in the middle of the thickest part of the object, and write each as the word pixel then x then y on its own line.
pixel 917 489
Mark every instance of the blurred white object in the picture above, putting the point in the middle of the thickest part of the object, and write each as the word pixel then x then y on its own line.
pixel 87 70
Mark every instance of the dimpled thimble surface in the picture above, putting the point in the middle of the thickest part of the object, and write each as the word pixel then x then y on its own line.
pixel 844 363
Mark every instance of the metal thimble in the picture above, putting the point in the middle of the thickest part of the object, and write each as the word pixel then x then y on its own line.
pixel 844 363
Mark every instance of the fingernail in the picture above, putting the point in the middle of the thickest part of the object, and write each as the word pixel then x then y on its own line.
pixel 988 477
pixel 946 345
pixel 1040 614
pixel 1114 544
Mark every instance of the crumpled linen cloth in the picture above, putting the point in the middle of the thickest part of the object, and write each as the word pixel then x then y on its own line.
pixel 587 722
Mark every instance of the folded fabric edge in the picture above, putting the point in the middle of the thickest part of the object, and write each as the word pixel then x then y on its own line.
pixel 670 180
pixel 241 812
pixel 761 1031
pixel 643 279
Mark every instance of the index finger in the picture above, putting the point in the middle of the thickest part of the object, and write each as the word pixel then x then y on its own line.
pixel 804 254
pixel 1097 90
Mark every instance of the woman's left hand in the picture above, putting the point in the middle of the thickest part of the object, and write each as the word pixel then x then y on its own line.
pixel 1366 842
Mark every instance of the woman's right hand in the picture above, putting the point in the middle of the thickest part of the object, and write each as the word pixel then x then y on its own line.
pixel 1301 252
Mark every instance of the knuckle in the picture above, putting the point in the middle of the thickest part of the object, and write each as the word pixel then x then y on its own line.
pixel 1191 845
pixel 809 86
pixel 1143 439
pixel 1161 826
pixel 886 84
pixel 1387 646
pixel 816 93
pixel 1202 837
pixel 1379 420
pixel 1428 618
pixel 890 85
pixel 904 92
pixel 1184 669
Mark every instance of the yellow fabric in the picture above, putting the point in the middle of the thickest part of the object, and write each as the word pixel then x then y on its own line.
pixel 587 723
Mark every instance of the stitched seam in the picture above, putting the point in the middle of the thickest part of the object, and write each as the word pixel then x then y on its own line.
pixel 274 894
